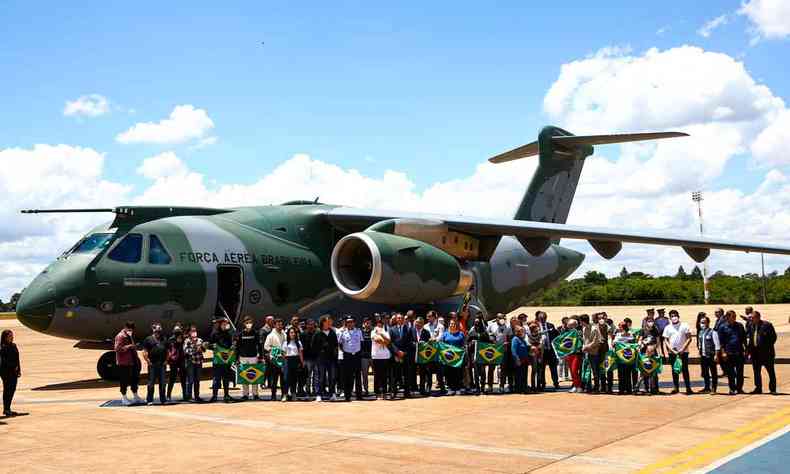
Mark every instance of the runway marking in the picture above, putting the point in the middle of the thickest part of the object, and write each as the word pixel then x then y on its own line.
pixel 744 450
pixel 387 438
pixel 706 454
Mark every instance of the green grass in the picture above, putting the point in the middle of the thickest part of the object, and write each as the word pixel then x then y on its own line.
pixel 7 315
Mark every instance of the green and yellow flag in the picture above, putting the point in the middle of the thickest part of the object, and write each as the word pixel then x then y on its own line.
pixel 277 357
pixel 650 365
pixel 450 355
pixel 223 356
pixel 567 343
pixel 426 352
pixel 586 371
pixel 626 353
pixel 251 374
pixel 677 366
pixel 609 361
pixel 488 353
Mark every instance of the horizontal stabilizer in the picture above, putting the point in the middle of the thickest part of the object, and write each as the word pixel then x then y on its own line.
pixel 569 141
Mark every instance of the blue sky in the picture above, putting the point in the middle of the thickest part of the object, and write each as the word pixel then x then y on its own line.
pixel 428 89
pixel 406 86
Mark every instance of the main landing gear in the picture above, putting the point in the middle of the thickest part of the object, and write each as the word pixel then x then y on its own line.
pixel 107 367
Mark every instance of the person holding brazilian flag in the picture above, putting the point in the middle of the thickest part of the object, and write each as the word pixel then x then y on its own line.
pixel 224 355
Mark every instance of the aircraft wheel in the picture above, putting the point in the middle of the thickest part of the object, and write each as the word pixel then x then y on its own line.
pixel 107 367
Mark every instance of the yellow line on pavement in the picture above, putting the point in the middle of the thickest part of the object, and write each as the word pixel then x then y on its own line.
pixel 7 315
pixel 708 452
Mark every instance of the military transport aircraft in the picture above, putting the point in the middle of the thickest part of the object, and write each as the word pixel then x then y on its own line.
pixel 303 257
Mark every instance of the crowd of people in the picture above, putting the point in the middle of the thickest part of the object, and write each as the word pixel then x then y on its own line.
pixel 332 360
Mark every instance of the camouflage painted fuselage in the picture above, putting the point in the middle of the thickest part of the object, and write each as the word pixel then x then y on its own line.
pixel 283 254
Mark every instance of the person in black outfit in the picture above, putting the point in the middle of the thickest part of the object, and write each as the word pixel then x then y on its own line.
pixel 420 334
pixel 401 343
pixel 732 338
pixel 310 358
pixel 155 353
pixel 761 338
pixel 250 351
pixel 10 369
pixel 177 363
pixel 221 337
pixel 549 333
pixel 325 347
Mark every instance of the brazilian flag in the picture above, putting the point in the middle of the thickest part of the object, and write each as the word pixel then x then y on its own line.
pixel 626 353
pixel 677 366
pixel 223 356
pixel 250 374
pixel 426 352
pixel 450 355
pixel 650 365
pixel 586 371
pixel 609 361
pixel 489 354
pixel 277 357
pixel 567 343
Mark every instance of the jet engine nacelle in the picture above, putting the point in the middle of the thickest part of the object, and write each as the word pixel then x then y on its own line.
pixel 390 269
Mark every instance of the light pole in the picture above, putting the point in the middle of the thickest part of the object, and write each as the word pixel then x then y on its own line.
pixel 696 196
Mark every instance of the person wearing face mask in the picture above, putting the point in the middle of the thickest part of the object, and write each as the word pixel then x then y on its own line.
pixel 193 354
pixel 247 343
pixel 221 373
pixel 677 338
pixel 760 340
pixel 176 363
pixel 128 363
pixel 548 334
pixel 275 339
pixel 154 353
pixel 709 347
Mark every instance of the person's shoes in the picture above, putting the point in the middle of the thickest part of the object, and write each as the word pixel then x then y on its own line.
pixel 125 401
pixel 333 398
pixel 774 392
pixel 318 398
pixel 704 390
pixel 284 399
pixel 689 392
pixel 256 397
pixel 572 390
pixel 245 397
pixel 733 392
pixel 227 399
pixel 756 392
pixel 741 392
pixel 674 391
pixel 556 386
pixel 136 399
pixel 198 400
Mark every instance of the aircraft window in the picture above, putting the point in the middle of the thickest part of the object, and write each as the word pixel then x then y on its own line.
pixel 156 252
pixel 93 243
pixel 128 250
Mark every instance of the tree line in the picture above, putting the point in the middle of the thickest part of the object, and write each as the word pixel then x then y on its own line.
pixel 11 305
pixel 682 288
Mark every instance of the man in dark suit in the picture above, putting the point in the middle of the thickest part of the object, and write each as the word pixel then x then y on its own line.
pixel 732 338
pixel 761 338
pixel 402 342
pixel 548 332
pixel 420 334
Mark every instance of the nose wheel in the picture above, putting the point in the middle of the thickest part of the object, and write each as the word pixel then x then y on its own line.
pixel 107 367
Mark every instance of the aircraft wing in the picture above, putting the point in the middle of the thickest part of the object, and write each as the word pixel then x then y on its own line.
pixel 536 236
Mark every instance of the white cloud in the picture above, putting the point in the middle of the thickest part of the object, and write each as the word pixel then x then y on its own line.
pixel 707 29
pixel 208 141
pixel 772 145
pixel 185 123
pixel 162 165
pixel 662 30
pixel 770 19
pixel 92 105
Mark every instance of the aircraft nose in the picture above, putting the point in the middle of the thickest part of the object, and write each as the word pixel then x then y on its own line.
pixel 36 306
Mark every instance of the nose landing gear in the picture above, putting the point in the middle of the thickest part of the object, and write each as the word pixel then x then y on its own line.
pixel 107 367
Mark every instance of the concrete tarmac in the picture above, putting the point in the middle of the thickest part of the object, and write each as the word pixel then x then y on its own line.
pixel 67 429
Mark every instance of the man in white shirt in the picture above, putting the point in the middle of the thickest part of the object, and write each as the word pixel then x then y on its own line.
pixel 275 339
pixel 350 340
pixel 677 338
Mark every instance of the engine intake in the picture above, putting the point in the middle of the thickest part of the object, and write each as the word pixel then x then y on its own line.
pixel 390 269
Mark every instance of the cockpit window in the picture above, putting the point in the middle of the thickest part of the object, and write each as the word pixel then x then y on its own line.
pixel 93 243
pixel 128 250
pixel 156 252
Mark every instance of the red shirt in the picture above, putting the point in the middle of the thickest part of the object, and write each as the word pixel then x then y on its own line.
pixel 124 356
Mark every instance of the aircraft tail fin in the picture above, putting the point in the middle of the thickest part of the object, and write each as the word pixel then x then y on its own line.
pixel 550 193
